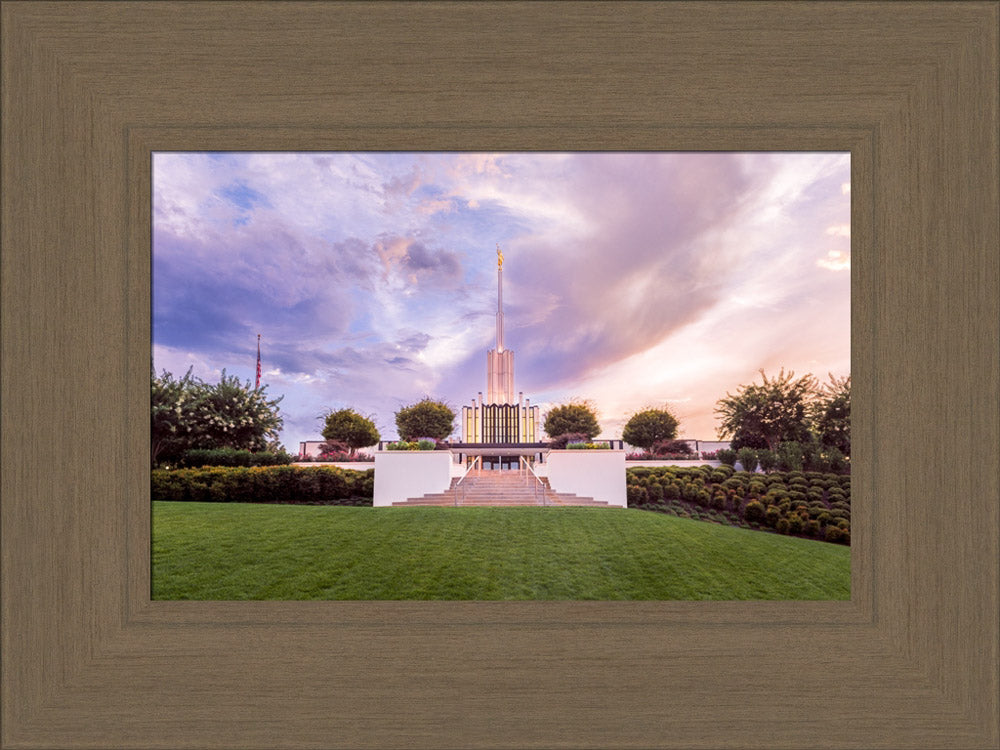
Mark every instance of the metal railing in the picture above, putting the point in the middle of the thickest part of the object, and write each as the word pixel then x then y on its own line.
pixel 524 468
pixel 458 484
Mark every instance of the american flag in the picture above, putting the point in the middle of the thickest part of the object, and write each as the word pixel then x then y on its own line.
pixel 257 384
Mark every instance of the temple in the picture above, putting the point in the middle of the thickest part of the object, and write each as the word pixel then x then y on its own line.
pixel 500 418
pixel 501 460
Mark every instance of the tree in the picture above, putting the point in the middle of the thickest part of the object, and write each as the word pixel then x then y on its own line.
pixel 426 418
pixel 762 416
pixel 577 417
pixel 189 413
pixel 235 415
pixel 833 414
pixel 174 404
pixel 352 429
pixel 649 426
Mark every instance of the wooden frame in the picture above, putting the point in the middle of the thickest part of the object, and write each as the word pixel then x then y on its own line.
pixel 90 89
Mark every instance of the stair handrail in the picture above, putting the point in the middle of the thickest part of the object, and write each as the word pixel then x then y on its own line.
pixel 522 461
pixel 478 459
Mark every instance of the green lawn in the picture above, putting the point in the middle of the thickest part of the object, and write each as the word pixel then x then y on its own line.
pixel 228 551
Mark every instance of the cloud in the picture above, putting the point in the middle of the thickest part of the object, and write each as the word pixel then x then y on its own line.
pixel 835 261
pixel 372 277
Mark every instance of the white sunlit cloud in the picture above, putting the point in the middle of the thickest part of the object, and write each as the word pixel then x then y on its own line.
pixel 835 260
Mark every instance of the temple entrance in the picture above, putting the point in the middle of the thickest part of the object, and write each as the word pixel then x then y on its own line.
pixel 498 456
pixel 500 463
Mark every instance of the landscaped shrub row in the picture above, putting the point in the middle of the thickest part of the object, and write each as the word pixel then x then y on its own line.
pixel 423 444
pixel 307 485
pixel 807 504
pixel 790 456
pixel 232 457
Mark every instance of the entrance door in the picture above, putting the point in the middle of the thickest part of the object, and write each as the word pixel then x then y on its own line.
pixel 500 463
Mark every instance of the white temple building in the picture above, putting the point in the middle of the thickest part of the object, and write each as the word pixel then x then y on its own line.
pixel 501 460
pixel 500 418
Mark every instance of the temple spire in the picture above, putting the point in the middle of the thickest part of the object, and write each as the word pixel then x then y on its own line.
pixel 499 299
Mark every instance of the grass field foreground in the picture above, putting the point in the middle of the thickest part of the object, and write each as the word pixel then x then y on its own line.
pixel 233 551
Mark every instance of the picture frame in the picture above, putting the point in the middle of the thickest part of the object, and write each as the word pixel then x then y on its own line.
pixel 91 90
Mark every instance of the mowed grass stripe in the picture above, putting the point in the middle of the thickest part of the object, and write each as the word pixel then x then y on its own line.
pixel 230 551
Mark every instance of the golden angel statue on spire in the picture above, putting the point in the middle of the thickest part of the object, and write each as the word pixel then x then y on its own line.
pixel 499 257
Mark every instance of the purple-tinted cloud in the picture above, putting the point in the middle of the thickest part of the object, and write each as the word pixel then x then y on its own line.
pixel 628 279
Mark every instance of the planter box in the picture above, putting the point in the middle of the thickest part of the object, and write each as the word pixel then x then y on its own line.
pixel 599 474
pixel 403 474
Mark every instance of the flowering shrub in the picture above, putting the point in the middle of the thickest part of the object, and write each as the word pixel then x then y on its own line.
pixel 423 444
pixel 587 446
pixel 663 447
pixel 305 458
pixel 662 457
pixel 190 413
pixel 334 450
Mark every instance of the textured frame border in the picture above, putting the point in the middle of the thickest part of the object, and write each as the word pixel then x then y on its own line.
pixel 91 88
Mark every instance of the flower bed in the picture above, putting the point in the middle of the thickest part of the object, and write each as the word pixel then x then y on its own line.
pixel 326 458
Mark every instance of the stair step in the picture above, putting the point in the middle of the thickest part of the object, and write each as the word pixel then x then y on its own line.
pixel 492 488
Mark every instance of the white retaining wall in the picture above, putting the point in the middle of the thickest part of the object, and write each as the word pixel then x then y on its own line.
pixel 599 474
pixel 403 474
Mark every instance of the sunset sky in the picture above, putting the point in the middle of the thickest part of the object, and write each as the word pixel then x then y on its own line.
pixel 630 279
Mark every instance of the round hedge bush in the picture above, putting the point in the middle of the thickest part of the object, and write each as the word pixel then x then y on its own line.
pixel 754 512
pixel 836 535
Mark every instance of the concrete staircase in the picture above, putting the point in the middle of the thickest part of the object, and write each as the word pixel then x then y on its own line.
pixel 501 489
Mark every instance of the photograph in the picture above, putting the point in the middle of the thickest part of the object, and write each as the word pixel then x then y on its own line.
pixel 501 376
pixel 480 375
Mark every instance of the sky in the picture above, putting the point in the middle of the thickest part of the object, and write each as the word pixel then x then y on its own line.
pixel 630 279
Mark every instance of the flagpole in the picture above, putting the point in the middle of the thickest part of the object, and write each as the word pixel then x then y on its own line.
pixel 257 384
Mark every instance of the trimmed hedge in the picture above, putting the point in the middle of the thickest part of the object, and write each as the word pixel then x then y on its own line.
pixel 796 503
pixel 313 485
pixel 231 457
